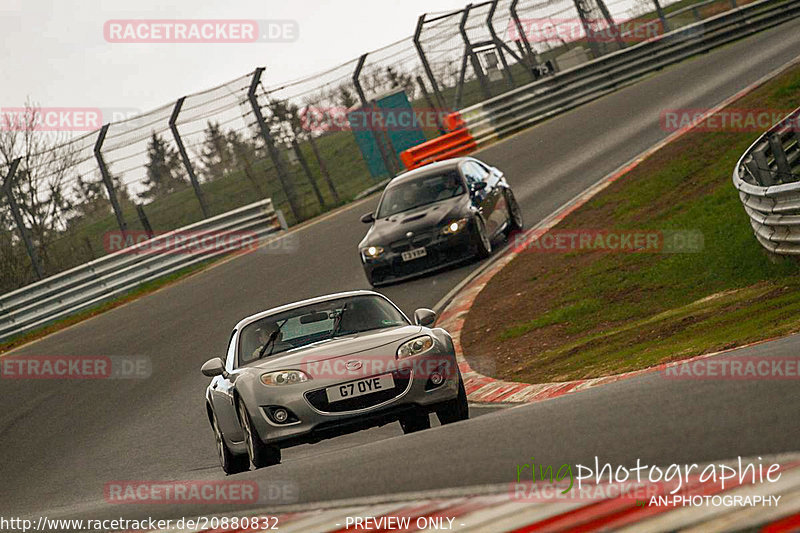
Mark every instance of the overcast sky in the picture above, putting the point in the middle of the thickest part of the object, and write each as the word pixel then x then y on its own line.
pixel 55 51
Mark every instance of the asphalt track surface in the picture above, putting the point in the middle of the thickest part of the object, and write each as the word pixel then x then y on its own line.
pixel 63 441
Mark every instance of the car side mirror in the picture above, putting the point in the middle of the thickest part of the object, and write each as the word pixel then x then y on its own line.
pixel 477 186
pixel 369 218
pixel 213 367
pixel 424 317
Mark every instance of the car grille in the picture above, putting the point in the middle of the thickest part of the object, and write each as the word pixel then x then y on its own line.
pixel 319 400
pixel 403 245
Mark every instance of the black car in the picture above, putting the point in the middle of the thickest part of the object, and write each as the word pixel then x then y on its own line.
pixel 435 216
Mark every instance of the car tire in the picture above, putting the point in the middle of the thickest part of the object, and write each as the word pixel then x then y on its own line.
pixel 481 240
pixel 515 222
pixel 413 422
pixel 456 409
pixel 260 454
pixel 230 463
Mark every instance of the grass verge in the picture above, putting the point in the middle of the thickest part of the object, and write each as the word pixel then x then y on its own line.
pixel 562 316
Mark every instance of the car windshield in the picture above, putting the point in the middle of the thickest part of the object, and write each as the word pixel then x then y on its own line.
pixel 298 327
pixel 416 192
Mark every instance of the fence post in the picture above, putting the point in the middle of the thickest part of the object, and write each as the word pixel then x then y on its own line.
pixel 476 64
pixel 148 229
pixel 12 203
pixel 273 151
pixel 530 56
pixel 430 103
pixel 661 16
pixel 611 24
pixel 112 195
pixel 424 60
pixel 584 10
pixel 369 108
pixel 498 43
pixel 185 157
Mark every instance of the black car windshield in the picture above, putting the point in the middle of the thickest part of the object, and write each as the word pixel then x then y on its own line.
pixel 298 327
pixel 416 192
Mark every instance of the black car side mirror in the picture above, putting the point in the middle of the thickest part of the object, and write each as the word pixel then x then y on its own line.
pixel 213 367
pixel 424 317
pixel 369 218
pixel 477 186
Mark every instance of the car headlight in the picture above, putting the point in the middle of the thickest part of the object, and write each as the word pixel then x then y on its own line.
pixel 454 227
pixel 284 377
pixel 372 252
pixel 415 346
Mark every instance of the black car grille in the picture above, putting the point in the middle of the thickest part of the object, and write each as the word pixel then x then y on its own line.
pixel 319 400
pixel 403 245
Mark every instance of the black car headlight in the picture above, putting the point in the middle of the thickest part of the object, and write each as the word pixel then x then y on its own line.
pixel 454 226
pixel 284 377
pixel 372 252
pixel 415 346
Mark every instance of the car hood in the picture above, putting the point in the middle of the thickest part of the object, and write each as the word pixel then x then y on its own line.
pixel 423 218
pixel 341 346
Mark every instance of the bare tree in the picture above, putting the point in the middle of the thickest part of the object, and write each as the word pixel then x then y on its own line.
pixel 39 188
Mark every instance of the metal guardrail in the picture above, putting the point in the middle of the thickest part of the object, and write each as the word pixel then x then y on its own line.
pixel 91 283
pixel 540 100
pixel 767 177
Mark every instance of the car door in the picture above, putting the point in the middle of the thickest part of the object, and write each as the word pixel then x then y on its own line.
pixel 493 197
pixel 480 197
pixel 222 395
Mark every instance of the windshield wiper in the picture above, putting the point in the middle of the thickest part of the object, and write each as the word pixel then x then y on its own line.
pixel 338 323
pixel 270 342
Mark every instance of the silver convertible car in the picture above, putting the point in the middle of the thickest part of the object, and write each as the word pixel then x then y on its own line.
pixel 323 367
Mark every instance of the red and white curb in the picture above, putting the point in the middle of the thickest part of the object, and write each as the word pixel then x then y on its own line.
pixel 496 510
pixel 484 389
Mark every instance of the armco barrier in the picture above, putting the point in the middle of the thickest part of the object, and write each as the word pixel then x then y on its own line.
pixel 83 286
pixel 767 177
pixel 537 101
pixel 453 144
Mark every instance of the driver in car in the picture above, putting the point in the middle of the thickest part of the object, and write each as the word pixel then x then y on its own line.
pixel 266 332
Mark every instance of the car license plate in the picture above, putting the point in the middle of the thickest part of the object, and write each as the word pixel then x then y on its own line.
pixel 359 388
pixel 416 253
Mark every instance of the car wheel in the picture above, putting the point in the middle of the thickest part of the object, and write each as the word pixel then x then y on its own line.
pixel 456 409
pixel 483 244
pixel 514 214
pixel 230 463
pixel 413 422
pixel 260 454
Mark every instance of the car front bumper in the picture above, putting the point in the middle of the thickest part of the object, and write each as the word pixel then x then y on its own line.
pixel 318 420
pixel 441 252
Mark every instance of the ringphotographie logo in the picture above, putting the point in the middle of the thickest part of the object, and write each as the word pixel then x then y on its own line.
pixel 648 484
pixel 52 119
pixel 200 31
pixel 729 119
pixel 81 367
pixel 609 240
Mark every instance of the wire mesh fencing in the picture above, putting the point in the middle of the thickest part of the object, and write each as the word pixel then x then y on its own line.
pixel 295 142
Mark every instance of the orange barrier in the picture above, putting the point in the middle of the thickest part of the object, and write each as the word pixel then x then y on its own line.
pixel 454 144
pixel 454 121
